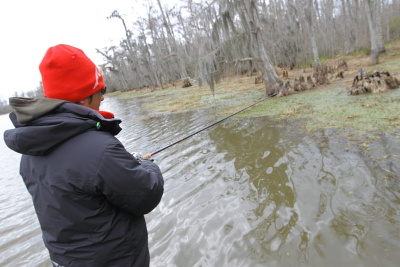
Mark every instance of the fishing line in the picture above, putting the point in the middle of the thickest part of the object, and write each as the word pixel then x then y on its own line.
pixel 205 128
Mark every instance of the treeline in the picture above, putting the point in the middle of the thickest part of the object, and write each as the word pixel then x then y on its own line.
pixel 4 107
pixel 210 40
pixel 38 92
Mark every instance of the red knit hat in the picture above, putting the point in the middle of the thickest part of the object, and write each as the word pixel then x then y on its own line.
pixel 68 74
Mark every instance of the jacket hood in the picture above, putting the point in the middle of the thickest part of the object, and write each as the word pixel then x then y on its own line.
pixel 28 109
pixel 42 124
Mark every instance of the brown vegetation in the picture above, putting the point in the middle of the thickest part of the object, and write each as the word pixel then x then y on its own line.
pixel 186 83
pixel 350 69
pixel 321 74
pixel 378 81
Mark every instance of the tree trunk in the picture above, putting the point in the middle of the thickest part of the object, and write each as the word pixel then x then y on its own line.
pixel 353 34
pixel 374 56
pixel 309 11
pixel 172 42
pixel 376 13
pixel 264 63
pixel 348 45
pixel 149 63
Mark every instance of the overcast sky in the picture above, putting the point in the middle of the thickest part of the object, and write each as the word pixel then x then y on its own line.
pixel 29 27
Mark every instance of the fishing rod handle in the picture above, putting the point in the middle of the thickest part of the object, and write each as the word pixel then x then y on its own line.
pixel 147 156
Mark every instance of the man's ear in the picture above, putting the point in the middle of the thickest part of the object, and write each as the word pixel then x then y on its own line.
pixel 83 102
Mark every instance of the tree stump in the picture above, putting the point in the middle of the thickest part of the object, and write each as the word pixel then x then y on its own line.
pixel 258 79
pixel 320 74
pixel 186 83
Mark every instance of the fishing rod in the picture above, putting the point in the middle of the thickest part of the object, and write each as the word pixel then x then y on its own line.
pixel 147 156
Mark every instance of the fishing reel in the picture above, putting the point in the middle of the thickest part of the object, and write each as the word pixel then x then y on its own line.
pixel 140 158
pixel 137 156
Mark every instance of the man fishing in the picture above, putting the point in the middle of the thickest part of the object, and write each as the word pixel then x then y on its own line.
pixel 89 193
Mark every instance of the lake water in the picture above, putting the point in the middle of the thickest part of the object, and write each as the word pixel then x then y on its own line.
pixel 246 192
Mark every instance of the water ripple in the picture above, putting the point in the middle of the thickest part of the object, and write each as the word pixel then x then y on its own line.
pixel 242 193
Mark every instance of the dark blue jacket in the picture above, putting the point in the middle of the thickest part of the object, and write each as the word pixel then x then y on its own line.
pixel 89 193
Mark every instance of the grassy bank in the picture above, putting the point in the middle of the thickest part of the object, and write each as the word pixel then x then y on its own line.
pixel 325 107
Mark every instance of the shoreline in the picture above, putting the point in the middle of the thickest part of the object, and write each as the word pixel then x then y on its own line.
pixel 324 107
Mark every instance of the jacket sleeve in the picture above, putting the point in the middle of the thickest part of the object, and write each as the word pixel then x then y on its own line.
pixel 127 184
